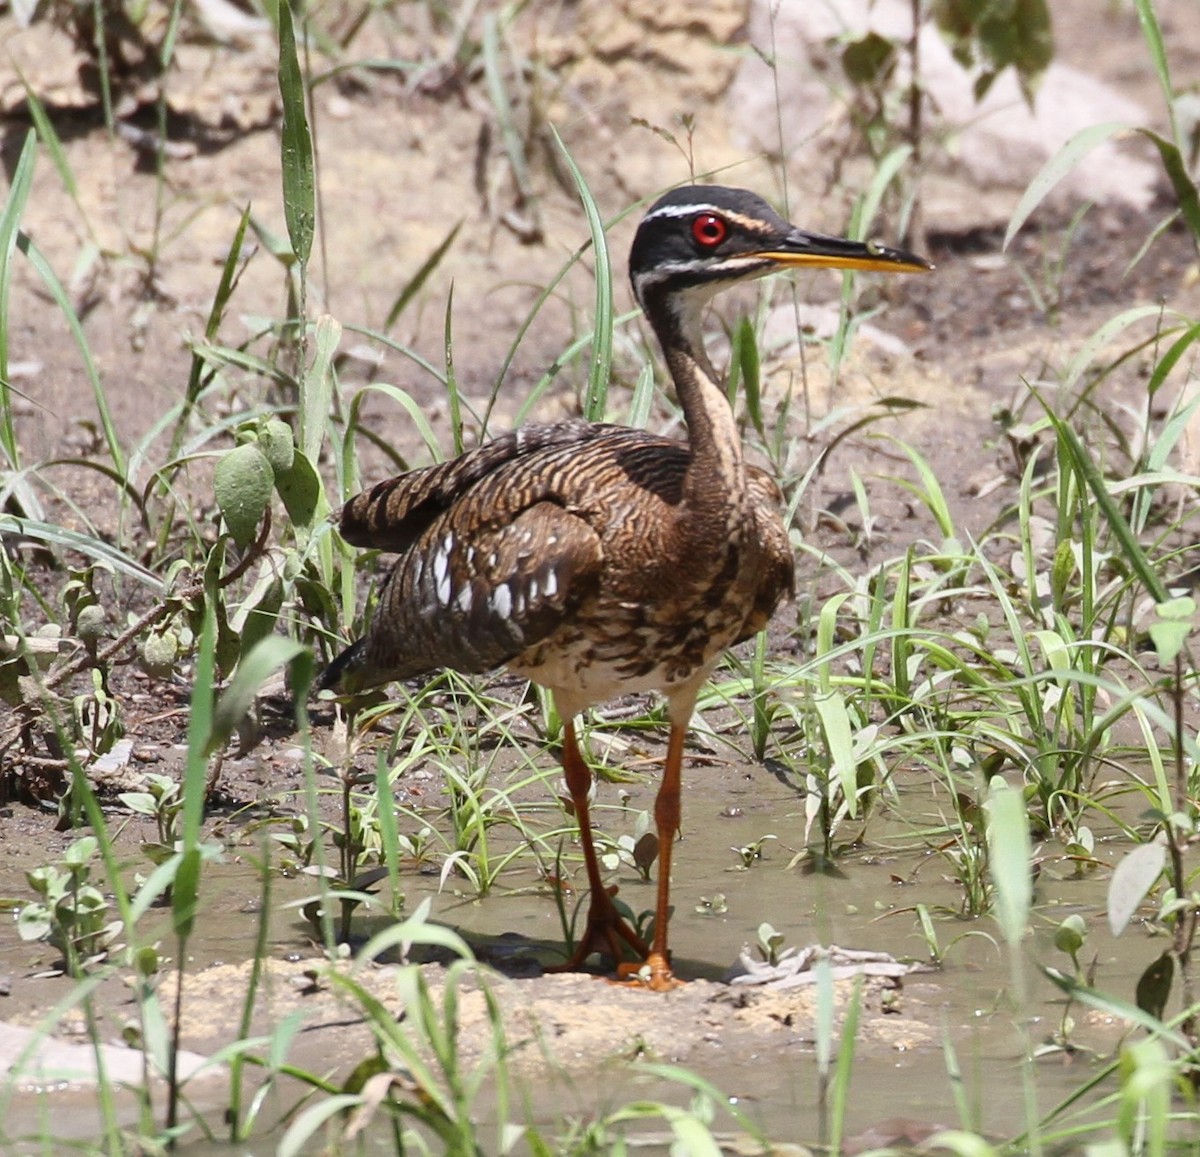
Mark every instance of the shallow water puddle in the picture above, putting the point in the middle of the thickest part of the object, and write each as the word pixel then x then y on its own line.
pixel 569 1032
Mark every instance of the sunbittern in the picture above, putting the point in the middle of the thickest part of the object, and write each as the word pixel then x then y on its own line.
pixel 599 560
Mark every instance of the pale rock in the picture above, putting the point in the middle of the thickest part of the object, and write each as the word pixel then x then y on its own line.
pixel 998 144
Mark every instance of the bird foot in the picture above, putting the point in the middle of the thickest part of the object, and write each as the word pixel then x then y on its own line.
pixel 606 932
pixel 653 973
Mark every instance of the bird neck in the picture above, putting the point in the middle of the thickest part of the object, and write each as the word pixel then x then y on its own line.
pixel 716 476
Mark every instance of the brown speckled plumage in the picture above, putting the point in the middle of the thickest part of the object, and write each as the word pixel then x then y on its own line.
pixel 597 559
pixel 567 545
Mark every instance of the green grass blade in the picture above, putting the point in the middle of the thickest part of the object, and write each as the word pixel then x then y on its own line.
pixel 197 379
pixel 296 149
pixel 1056 168
pixel 418 279
pixel 317 391
pixel 510 134
pixel 1082 462
pixel 835 722
pixel 596 403
pixel 885 173
pixel 1152 34
pixel 643 398
pixel 10 217
pixel 1009 853
pixel 452 395
pixel 86 545
pixel 49 137
pixel 1181 180
pixel 266 657
pixel 746 374
pixel 63 300
pixel 1104 337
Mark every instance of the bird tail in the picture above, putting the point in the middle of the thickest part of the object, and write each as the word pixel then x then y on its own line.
pixel 341 674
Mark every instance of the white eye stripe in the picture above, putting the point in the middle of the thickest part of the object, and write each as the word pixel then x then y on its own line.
pixel 683 211
pixel 751 224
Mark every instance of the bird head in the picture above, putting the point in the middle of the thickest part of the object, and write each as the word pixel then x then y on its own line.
pixel 699 239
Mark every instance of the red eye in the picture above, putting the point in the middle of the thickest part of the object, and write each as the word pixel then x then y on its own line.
pixel 709 230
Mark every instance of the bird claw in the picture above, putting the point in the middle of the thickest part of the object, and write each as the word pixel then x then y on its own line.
pixel 653 973
pixel 607 932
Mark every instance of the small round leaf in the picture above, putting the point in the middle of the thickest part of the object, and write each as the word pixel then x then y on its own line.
pixel 243 482
pixel 275 441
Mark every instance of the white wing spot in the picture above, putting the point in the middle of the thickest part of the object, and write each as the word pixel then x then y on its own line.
pixel 533 590
pixel 463 602
pixel 441 570
pixel 550 587
pixel 501 601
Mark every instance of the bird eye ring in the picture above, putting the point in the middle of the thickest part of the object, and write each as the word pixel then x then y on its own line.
pixel 709 230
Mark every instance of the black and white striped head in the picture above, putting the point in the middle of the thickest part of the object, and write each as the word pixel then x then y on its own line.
pixel 704 237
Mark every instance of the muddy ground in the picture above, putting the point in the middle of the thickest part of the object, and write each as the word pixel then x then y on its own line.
pixel 403 156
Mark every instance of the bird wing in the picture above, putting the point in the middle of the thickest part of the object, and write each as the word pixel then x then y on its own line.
pixel 495 553
pixel 473 594
pixel 394 514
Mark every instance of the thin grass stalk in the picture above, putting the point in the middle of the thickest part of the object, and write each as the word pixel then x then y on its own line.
pixel 10 218
pixel 452 392
pixel 231 271
pixel 1184 931
pixel 103 68
pixel 185 889
pixel 823 1041
pixel 62 300
pixel 298 167
pixel 238 1126
pixel 1009 852
pixel 844 1069
pixel 595 406
pixel 161 107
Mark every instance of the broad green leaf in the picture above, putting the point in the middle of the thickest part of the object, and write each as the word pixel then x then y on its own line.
pixel 300 491
pixel 835 722
pixel 1009 853
pixel 1169 633
pixel 960 1143
pixel 1131 882
pixel 1154 986
pixel 1070 935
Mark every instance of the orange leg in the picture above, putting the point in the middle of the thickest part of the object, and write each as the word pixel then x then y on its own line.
pixel 667 814
pixel 605 930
